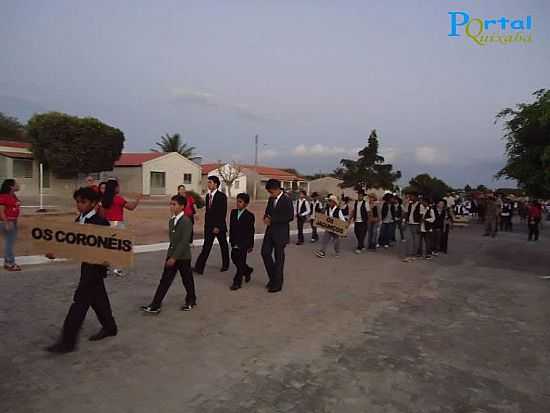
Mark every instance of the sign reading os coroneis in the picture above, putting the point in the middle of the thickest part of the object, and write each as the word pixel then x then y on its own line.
pixel 486 31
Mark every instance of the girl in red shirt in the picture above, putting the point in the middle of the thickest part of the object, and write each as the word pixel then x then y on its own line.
pixel 190 209
pixel 9 213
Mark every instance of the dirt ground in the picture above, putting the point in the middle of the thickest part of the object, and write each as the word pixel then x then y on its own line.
pixel 148 222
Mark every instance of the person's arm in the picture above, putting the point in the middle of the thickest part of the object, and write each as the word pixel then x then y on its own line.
pixel 286 214
pixel 8 225
pixel 130 206
pixel 231 229
pixel 251 233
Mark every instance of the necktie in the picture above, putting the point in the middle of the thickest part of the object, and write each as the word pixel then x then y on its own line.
pixel 210 201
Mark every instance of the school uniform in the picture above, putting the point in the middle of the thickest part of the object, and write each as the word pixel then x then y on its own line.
pixel 413 217
pixel 241 238
pixel 317 208
pixel 372 227
pixel 303 211
pixel 360 217
pixel 90 292
pixel 179 228
pixel 335 213
pixel 388 219
pixel 276 237
pixel 215 217
pixel 426 232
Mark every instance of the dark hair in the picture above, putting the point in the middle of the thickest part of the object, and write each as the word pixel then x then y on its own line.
pixel 346 199
pixel 180 186
pixel 361 192
pixel 7 185
pixel 273 184
pixel 110 192
pixel 86 193
pixel 314 194
pixel 214 179
pixel 245 197
pixel 303 192
pixel 180 199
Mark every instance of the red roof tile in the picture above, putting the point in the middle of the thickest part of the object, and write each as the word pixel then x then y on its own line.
pixel 137 159
pixel 266 171
pixel 15 144
pixel 17 155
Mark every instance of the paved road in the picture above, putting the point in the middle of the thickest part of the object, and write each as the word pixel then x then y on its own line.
pixel 468 332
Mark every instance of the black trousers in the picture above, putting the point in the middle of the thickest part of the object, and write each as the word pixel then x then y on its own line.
pixel 168 275
pixel 207 247
pixel 300 221
pixel 444 239
pixel 360 229
pixel 533 230
pixel 425 244
pixel 238 256
pixel 89 293
pixel 274 267
pixel 314 235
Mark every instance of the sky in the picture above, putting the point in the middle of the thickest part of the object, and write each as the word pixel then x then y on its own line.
pixel 312 78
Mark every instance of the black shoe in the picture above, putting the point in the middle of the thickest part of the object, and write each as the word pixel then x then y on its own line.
pixel 103 334
pixel 234 287
pixel 197 271
pixel 268 286
pixel 60 348
pixel 300 243
pixel 149 309
pixel 247 276
pixel 224 269
pixel 274 290
pixel 187 307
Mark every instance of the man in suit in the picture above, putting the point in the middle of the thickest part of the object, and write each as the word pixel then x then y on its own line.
pixel 278 215
pixel 241 238
pixel 214 225
pixel 178 258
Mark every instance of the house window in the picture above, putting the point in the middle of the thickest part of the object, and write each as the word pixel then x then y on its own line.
pixel 236 184
pixel 187 178
pixel 22 168
pixel 158 183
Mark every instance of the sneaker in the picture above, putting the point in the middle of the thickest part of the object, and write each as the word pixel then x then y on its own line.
pixel 117 273
pixel 358 251
pixel 386 246
pixel 187 307
pixel 313 240
pixel 320 254
pixel 428 257
pixel 403 240
pixel 149 309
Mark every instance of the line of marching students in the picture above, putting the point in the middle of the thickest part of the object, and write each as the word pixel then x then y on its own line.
pixel 378 222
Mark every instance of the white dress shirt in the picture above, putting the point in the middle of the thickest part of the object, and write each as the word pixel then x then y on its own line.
pixel 178 217
pixel 340 213
pixel 83 218
pixel 299 207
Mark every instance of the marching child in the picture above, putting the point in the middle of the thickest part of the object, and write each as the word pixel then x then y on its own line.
pixel 333 212
pixel 241 238
pixel 91 287
pixel 178 258
pixel 316 207
pixel 426 229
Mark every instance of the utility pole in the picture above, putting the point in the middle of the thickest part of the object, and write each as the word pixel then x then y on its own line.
pixel 255 167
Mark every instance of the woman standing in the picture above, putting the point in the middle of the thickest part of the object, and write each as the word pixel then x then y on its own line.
pixel 113 206
pixel 9 213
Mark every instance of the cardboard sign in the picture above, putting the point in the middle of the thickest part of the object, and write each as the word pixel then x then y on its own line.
pixel 334 225
pixel 95 244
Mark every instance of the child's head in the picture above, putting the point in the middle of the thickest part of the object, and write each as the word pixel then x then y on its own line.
pixel 177 204
pixel 303 194
pixel 213 183
pixel 181 190
pixel 360 195
pixel 243 200
pixel 102 187
pixel 86 199
pixel 273 186
pixel 333 201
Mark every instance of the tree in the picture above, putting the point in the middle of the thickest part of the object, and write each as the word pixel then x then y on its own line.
pixel 174 143
pixel 70 145
pixel 10 128
pixel 429 186
pixel 369 171
pixel 527 139
pixel 229 173
pixel 468 188
pixel 482 188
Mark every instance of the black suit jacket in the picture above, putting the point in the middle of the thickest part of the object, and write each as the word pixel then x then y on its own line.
pixel 281 215
pixel 215 216
pixel 86 267
pixel 241 231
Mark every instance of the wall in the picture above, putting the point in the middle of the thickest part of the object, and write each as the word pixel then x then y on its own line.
pixel 174 165
pixel 243 183
pixel 129 177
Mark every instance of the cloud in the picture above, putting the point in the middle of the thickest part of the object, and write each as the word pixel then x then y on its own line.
pixel 207 99
pixel 319 150
pixel 430 155
pixel 390 154
pixel 267 154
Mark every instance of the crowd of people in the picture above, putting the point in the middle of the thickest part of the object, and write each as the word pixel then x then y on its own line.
pixel 377 223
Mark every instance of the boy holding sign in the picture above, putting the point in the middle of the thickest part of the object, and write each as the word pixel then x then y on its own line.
pixel 336 213
pixel 91 287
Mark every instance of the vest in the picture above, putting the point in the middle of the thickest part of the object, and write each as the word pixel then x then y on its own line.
pixel 385 210
pixel 303 208
pixel 336 214
pixel 364 214
pixel 416 213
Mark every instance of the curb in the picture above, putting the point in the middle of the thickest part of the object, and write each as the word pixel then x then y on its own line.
pixel 138 249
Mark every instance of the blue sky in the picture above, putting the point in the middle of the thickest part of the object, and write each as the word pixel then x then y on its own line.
pixel 311 78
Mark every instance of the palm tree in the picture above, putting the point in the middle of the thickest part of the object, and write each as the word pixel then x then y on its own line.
pixel 173 143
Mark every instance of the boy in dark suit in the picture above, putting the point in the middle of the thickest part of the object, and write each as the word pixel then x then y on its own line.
pixel 241 238
pixel 278 215
pixel 91 287
pixel 178 258
pixel 214 225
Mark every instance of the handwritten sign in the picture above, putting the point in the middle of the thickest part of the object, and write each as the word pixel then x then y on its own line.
pixel 334 225
pixel 94 244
